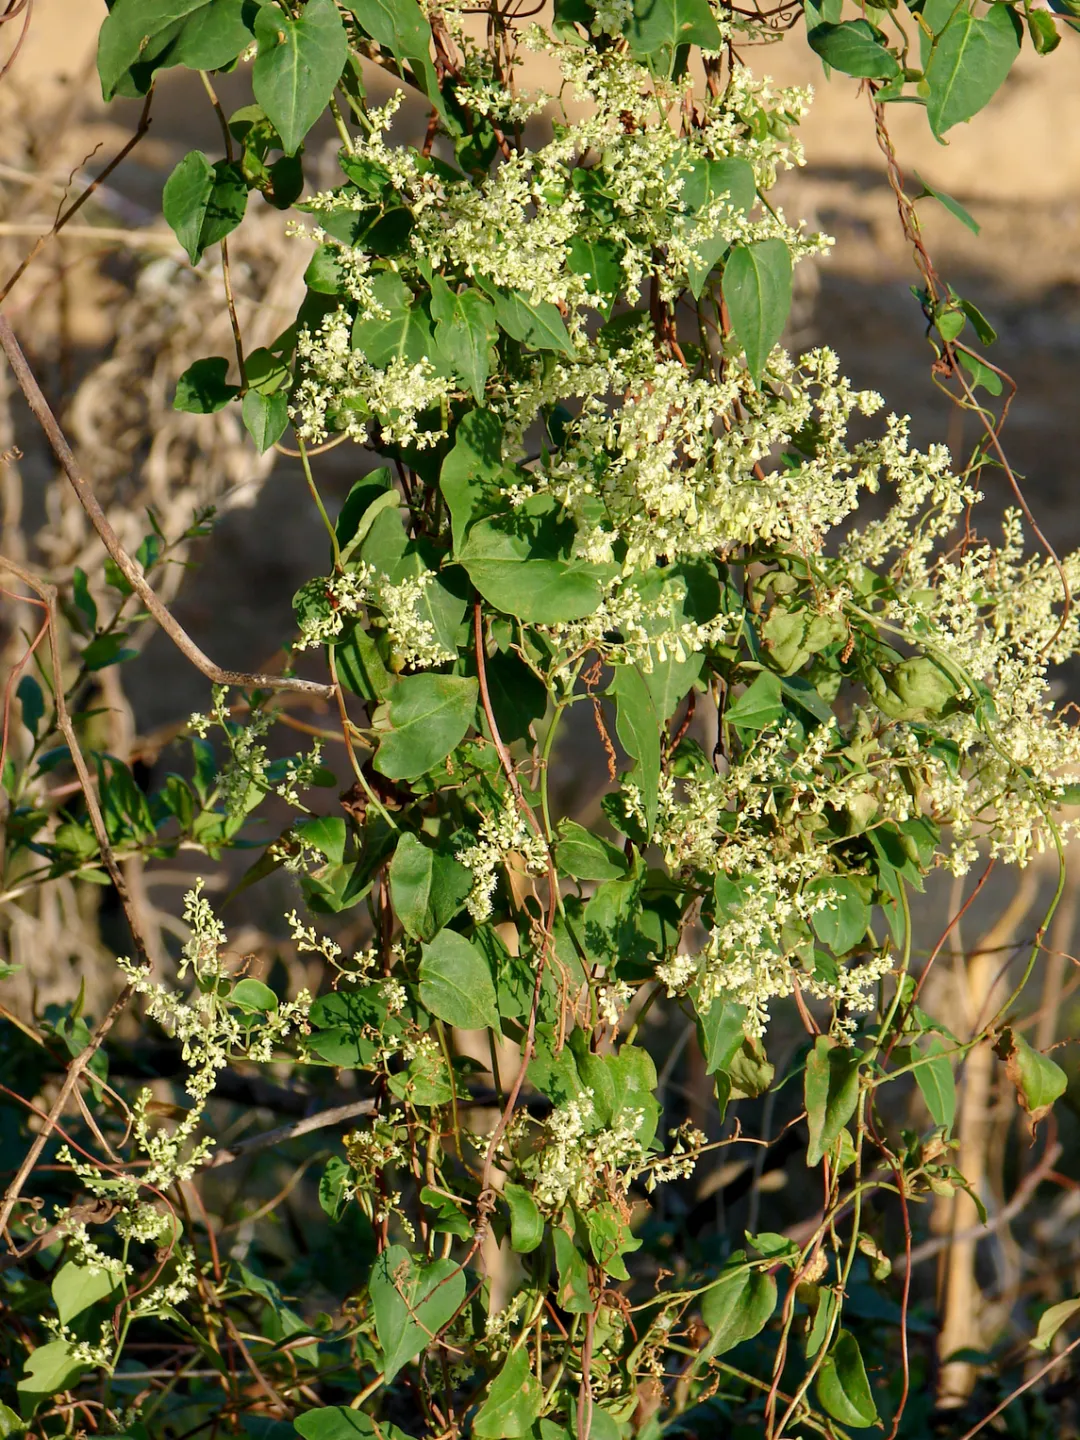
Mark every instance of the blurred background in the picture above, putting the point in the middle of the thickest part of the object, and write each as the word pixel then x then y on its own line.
pixel 110 313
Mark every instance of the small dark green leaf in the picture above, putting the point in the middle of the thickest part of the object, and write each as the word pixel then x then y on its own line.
pixel 33 703
pixel 298 65
pixel 842 924
pixel 638 728
pixel 411 1305
pixel 757 289
pixel 968 64
pixel 585 856
pixel 464 331
pixel 536 323
pixel 203 388
pixel 1038 1080
pixel 76 1287
pixel 456 983
pixel 842 1386
pixel 140 37
pixel 573 1293
pixel 854 47
pixel 759 706
pixel 266 417
pixel 253 996
pixel 327 833
pixel 427 888
pixel 831 1094
pixel 737 1308
pixel 185 199
pixel 471 471
pixel 658 29
pixel 938 1084
pixel 953 206
pixel 526 1222
pixel 425 718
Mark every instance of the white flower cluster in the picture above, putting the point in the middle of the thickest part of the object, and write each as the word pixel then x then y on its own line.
pixel 503 833
pixel 327 602
pixel 336 378
pixel 411 633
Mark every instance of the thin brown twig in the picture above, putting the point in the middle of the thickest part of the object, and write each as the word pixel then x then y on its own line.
pixel 131 571
pixel 78 1065
pixel 73 209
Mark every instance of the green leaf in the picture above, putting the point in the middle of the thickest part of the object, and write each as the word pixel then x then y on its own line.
pixel 30 696
pixel 855 47
pixel 1038 1080
pixel 49 1368
pixel 610 1238
pixel 338 1422
pixel 84 601
pixel 401 26
pixel 599 261
pixel 658 29
pixel 203 389
pixel 360 667
pixel 1051 1321
pixel 981 373
pixel 523 564
pixel 831 1092
pixel 425 1081
pixel 720 1032
pixel 10 1424
pixel 737 1308
pixel 411 1305
pixel 76 1287
pixel 584 856
pixel 427 889
pixel 708 179
pixel 518 696
pixel 298 65
pixel 638 729
pixel 424 719
pixel 456 983
pixel 1043 31
pixel 842 925
pixel 953 206
pixel 513 1401
pixel 573 1293
pixel 464 331
pixel 842 1386
pixel 526 1222
pixel 185 199
pixel 334 1188
pixel 266 417
pixel 757 289
pixel 140 37
pixel 471 471
pixel 403 333
pixel 536 323
pixel 254 997
pixel 327 833
pixel 937 1083
pixel 985 331
pixel 968 64
pixel 759 706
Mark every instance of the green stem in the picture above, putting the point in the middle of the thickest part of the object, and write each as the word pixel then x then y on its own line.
pixel 306 463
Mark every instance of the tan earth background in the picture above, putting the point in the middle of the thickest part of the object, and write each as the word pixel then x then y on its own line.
pixel 110 314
